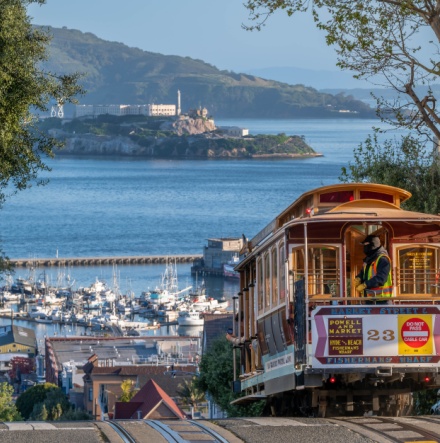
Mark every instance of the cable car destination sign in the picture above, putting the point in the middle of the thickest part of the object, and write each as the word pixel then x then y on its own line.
pixel 372 335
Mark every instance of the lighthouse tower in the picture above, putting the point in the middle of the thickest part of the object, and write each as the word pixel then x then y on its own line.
pixel 178 103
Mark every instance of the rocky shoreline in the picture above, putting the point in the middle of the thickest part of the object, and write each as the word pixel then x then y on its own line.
pixel 182 137
pixel 208 146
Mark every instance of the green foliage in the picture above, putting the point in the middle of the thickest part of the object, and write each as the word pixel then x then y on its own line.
pixel 8 410
pixel 423 400
pixel 146 132
pixel 39 412
pixel 190 393
pixel 375 40
pixel 128 390
pixel 32 396
pixel 76 414
pixel 216 376
pixel 408 164
pixel 25 87
pixel 54 405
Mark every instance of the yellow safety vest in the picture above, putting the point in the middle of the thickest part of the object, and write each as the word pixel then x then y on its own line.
pixel 382 291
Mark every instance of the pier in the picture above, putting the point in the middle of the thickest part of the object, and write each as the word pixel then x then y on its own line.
pixel 93 261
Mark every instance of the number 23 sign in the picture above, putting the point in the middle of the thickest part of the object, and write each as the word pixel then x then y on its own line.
pixel 398 335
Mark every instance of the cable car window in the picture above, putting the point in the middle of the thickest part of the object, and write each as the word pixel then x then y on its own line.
pixel 267 280
pixel 376 196
pixel 323 269
pixel 287 333
pixel 278 333
pixel 336 197
pixel 261 336
pixel 269 335
pixel 260 285
pixel 282 273
pixel 418 270
pixel 274 277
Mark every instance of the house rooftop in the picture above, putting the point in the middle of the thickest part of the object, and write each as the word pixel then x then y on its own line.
pixel 119 351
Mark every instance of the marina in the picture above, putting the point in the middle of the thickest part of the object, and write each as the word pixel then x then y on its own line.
pixel 103 308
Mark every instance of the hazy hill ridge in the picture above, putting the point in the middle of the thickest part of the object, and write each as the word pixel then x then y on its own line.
pixel 117 73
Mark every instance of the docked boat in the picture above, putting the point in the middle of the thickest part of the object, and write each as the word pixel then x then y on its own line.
pixel 38 312
pixel 190 318
pixel 92 302
pixel 22 286
pixel 168 291
pixel 228 268
pixel 8 296
pixel 211 304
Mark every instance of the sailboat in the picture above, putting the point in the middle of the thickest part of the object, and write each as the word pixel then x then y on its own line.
pixel 168 292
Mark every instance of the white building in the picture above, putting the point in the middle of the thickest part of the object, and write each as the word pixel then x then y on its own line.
pixel 95 110
pixel 150 109
pixel 155 110
pixel 234 131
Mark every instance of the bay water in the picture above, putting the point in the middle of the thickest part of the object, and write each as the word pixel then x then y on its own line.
pixel 122 206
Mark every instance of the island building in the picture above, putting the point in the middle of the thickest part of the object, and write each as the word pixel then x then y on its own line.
pixel 234 131
pixel 151 110
pixel 197 113
pixel 216 254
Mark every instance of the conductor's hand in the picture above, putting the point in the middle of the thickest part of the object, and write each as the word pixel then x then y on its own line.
pixel 356 282
pixel 360 288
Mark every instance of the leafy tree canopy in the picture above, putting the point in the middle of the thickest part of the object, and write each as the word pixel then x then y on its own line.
pixel 8 410
pixel 128 390
pixel 216 376
pixel 25 89
pixel 378 40
pixel 52 407
pixel 32 396
pixel 407 164
pixel 190 393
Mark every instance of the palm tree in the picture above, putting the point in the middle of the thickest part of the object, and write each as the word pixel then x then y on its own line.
pixel 128 390
pixel 190 394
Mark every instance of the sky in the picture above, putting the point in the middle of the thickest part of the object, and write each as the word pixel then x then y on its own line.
pixel 209 30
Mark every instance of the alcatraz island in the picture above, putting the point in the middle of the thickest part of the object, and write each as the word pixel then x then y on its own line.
pixel 162 131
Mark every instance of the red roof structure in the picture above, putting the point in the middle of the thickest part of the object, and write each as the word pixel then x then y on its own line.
pixel 151 402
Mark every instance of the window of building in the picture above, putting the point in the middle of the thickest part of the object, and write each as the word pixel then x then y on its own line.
pixel 90 394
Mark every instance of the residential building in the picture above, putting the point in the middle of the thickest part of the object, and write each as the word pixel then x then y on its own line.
pixel 99 365
pixel 150 402
pixel 16 341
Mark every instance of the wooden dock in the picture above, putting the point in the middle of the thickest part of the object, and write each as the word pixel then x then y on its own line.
pixel 94 261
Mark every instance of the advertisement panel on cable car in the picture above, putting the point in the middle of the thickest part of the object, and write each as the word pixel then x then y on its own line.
pixel 369 336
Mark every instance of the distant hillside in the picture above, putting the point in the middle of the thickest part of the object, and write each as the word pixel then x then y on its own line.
pixel 318 79
pixel 117 73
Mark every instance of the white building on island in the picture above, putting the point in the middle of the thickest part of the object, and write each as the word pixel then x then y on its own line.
pixel 234 131
pixel 119 110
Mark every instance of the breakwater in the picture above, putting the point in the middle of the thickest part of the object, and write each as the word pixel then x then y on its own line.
pixel 93 261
